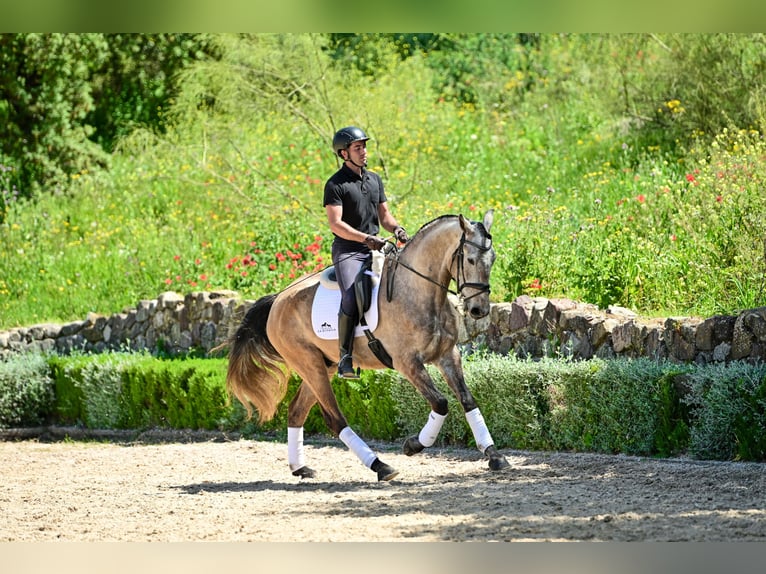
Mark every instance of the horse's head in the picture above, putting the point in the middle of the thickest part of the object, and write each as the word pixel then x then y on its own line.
pixel 473 260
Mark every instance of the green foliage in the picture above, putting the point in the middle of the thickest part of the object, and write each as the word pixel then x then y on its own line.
pixel 26 391
pixel 676 85
pixel 612 176
pixel 637 407
pixel 175 394
pixel 512 398
pixel 593 200
pixel 368 403
pixel 66 98
pixel 136 81
pixel 612 408
pixel 44 99
pixel 672 434
pixel 728 411
pixel 136 390
pixel 70 399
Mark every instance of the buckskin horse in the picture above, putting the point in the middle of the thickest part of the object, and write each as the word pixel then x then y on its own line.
pixel 417 325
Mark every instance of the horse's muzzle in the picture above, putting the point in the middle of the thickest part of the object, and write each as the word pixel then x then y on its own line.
pixel 478 312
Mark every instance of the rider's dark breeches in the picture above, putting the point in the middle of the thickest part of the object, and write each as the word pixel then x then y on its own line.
pixel 347 266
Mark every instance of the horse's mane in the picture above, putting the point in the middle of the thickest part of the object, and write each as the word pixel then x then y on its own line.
pixel 427 226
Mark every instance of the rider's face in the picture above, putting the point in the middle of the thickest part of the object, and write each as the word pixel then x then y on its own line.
pixel 357 152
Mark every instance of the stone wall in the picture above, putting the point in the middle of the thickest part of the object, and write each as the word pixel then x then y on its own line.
pixel 533 327
pixel 562 327
pixel 171 323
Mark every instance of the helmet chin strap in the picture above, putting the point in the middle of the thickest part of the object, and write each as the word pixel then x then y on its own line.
pixel 356 164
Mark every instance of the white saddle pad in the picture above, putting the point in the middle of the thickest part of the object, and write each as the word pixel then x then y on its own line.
pixel 324 312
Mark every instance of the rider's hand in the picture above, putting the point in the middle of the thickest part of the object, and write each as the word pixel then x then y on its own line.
pixel 401 235
pixel 374 243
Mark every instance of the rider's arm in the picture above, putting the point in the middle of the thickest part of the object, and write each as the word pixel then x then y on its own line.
pixel 387 220
pixel 340 227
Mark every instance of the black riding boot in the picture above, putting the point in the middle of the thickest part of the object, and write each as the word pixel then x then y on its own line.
pixel 346 326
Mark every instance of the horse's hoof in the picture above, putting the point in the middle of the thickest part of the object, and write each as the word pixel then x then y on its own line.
pixel 384 471
pixel 412 446
pixel 387 473
pixel 496 460
pixel 305 472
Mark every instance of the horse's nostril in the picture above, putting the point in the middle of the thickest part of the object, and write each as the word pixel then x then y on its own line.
pixel 477 312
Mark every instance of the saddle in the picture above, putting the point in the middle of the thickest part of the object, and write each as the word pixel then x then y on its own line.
pixel 365 289
pixel 367 278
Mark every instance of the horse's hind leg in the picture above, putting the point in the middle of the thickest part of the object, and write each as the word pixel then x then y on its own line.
pixel 296 415
pixel 316 388
pixel 451 368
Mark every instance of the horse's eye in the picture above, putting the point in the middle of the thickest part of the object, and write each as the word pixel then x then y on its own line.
pixel 472 261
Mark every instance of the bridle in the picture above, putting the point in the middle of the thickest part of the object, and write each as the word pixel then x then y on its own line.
pixel 392 254
pixel 460 256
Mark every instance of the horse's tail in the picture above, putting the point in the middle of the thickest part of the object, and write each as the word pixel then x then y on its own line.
pixel 255 374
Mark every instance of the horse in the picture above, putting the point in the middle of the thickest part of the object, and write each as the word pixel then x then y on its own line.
pixel 417 325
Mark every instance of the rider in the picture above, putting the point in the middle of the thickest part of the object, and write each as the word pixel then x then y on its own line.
pixel 356 208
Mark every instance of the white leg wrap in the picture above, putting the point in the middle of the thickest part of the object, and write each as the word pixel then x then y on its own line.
pixel 427 436
pixel 295 448
pixel 357 446
pixel 479 429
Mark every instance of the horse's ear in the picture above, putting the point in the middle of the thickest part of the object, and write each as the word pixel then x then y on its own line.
pixel 464 223
pixel 488 217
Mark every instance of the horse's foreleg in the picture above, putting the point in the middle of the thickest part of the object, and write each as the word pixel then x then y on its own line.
pixel 484 440
pixel 421 380
pixel 296 415
pixel 452 370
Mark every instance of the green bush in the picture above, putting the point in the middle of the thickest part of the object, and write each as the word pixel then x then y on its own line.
pixel 632 406
pixel 728 411
pixel 89 388
pixel 70 403
pixel 512 397
pixel 26 391
pixel 672 434
pixel 136 390
pixel 368 403
pixel 620 404
pixel 176 394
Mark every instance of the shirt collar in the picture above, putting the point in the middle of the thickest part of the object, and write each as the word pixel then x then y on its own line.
pixel 352 173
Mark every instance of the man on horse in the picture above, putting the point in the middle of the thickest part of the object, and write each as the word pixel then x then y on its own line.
pixel 356 207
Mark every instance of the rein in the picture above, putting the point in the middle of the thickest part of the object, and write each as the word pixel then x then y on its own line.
pixel 392 254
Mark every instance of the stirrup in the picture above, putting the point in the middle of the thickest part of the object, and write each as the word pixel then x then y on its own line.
pixel 346 368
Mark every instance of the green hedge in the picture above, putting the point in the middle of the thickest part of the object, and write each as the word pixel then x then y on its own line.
pixel 26 392
pixel 638 407
pixel 134 390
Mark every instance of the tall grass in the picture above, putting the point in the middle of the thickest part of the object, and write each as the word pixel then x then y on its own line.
pixel 590 203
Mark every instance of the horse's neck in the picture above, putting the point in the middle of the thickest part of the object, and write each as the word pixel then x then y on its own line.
pixel 433 255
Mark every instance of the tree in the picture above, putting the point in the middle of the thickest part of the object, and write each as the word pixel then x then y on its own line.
pixel 45 97
pixel 66 98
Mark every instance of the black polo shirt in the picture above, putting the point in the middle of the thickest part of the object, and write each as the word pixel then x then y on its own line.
pixel 359 197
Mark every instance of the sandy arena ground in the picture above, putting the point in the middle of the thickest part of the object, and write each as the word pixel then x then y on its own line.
pixel 242 490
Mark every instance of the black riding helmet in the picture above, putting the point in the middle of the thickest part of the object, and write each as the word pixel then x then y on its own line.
pixel 345 137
